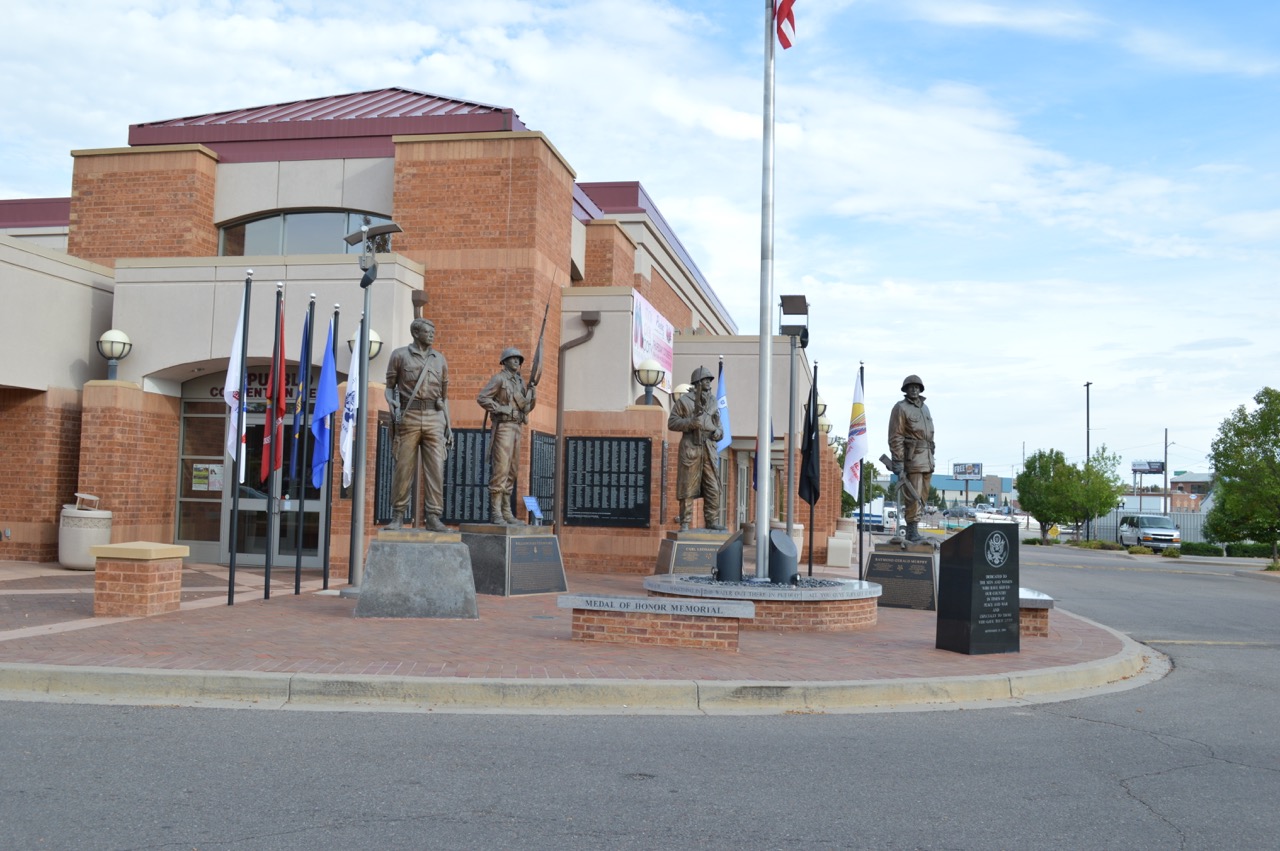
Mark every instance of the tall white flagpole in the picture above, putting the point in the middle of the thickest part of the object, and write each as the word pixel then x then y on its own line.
pixel 764 394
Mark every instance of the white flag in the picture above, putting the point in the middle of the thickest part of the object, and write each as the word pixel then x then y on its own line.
pixel 231 393
pixel 856 449
pixel 350 409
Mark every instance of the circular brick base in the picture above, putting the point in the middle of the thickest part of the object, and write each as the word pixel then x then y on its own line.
pixel 852 606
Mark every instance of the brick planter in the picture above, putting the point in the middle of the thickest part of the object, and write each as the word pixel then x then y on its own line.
pixel 137 579
pixel 663 630
pixel 814 615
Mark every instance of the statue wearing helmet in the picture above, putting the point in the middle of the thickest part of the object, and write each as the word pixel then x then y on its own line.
pixel 507 401
pixel 697 416
pixel 911 447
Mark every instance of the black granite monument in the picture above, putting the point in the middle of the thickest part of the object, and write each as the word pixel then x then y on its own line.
pixel 978 590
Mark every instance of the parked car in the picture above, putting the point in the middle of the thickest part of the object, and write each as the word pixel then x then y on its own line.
pixel 1148 530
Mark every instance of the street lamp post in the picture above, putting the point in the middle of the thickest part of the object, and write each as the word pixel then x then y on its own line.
pixel 793 306
pixel 1088 524
pixel 369 265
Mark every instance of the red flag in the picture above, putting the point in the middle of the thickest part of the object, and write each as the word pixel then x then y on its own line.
pixel 277 393
pixel 785 18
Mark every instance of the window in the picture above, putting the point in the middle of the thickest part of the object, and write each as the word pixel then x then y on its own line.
pixel 300 232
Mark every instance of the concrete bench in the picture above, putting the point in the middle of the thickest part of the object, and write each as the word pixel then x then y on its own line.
pixel 706 624
pixel 1033 613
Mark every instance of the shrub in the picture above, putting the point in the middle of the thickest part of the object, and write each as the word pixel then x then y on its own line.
pixel 1034 542
pixel 1199 548
pixel 1171 552
pixel 1110 545
pixel 1249 550
pixel 1140 551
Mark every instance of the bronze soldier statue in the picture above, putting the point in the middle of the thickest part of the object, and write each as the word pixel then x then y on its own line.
pixel 697 415
pixel 418 393
pixel 911 447
pixel 507 401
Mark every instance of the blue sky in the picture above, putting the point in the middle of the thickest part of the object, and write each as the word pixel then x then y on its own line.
pixel 1007 198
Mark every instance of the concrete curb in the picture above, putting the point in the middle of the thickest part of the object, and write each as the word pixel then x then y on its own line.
pixel 1134 665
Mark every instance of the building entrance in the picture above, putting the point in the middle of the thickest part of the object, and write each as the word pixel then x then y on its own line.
pixel 208 480
pixel 295 504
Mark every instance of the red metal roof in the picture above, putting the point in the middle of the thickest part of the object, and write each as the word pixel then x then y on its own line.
pixel 359 124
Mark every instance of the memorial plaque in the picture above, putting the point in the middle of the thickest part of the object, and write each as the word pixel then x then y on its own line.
pixel 607 481
pixel 466 478
pixel 978 591
pixel 536 567
pixel 514 560
pixel 383 470
pixel 907 579
pixel 542 472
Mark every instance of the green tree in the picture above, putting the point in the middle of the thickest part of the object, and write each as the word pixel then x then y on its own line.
pixel 1096 487
pixel 1044 487
pixel 1246 462
pixel 870 490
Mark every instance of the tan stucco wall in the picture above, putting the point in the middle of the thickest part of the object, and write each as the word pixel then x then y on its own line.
pixel 55 308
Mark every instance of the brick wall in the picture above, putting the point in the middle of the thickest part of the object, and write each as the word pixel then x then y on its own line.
pixel 143 203
pixel 619 550
pixel 610 255
pixel 703 633
pixel 39 468
pixel 128 443
pixel 489 215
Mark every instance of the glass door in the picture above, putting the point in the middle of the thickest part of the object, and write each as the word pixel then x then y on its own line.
pixel 291 490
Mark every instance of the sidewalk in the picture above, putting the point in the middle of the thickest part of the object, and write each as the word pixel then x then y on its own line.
pixel 308 651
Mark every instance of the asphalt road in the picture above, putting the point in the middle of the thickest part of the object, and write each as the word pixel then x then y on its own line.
pixel 1189 762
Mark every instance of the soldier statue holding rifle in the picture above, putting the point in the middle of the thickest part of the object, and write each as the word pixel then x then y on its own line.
pixel 418 393
pixel 507 401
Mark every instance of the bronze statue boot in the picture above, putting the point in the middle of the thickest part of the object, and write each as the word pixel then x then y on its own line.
pixel 496 514
pixel 686 514
pixel 396 523
pixel 432 523
pixel 712 524
pixel 913 535
pixel 507 516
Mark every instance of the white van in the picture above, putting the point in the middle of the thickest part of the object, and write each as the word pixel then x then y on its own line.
pixel 1148 530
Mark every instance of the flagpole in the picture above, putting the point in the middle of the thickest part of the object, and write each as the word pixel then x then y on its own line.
pixel 812 435
pixel 862 477
pixel 271 479
pixel 237 473
pixel 764 393
pixel 304 366
pixel 327 532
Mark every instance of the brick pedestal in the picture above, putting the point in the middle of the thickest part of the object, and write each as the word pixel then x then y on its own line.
pixel 137 579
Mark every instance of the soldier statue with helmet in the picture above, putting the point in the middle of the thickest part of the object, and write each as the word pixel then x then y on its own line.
pixel 507 401
pixel 911 448
pixel 697 416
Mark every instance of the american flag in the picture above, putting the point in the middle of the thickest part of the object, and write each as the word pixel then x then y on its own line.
pixel 785 17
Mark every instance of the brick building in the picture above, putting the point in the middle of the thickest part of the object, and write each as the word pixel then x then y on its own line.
pixel 156 240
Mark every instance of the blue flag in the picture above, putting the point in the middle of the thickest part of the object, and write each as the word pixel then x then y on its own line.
pixel 304 390
pixel 722 402
pixel 322 414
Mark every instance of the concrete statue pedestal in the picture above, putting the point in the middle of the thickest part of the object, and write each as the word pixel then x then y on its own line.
pixel 411 573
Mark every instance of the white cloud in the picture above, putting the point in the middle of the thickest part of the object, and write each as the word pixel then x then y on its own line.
pixel 1177 52
pixel 1057 22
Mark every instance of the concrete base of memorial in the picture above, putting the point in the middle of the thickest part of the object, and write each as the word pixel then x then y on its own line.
pixel 511 561
pixel 405 579
pixel 837 605
pixel 689 551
